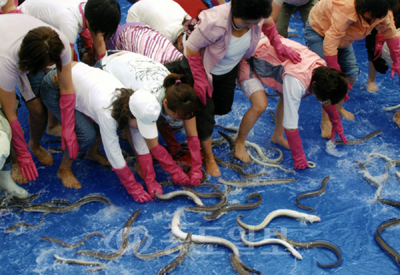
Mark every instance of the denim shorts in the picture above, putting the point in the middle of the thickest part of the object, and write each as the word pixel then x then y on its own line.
pixel 35 81
pixel 346 56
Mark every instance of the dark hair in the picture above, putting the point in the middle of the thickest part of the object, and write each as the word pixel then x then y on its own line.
pixel 251 9
pixel 103 16
pixel 328 84
pixel 40 47
pixel 120 107
pixel 181 97
pixel 378 9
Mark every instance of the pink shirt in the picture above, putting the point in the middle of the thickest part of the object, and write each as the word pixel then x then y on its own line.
pixel 13 28
pixel 213 34
pixel 339 23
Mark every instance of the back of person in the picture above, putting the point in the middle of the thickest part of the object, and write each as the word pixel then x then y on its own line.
pixel 165 16
pixel 62 14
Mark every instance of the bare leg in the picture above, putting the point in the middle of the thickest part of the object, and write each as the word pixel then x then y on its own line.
pixel 343 113
pixel 259 103
pixel 53 125
pixel 396 117
pixel 66 175
pixel 209 160
pixel 277 135
pixel 94 154
pixel 371 86
pixel 326 125
pixel 37 120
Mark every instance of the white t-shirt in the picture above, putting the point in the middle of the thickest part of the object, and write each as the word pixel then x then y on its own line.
pixel 94 90
pixel 13 28
pixel 62 14
pixel 165 16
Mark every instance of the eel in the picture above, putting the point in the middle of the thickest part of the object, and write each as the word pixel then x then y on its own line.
pixel 388 249
pixel 358 141
pixel 241 183
pixel 180 193
pixel 54 240
pixel 73 261
pixel 237 168
pixel 25 224
pixel 124 245
pixel 324 244
pixel 217 214
pixel 277 213
pixel 155 254
pixel 312 194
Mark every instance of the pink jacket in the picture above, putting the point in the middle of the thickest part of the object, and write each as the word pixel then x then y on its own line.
pixel 339 23
pixel 213 35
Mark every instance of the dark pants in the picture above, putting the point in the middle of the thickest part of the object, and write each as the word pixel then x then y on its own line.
pixel 219 104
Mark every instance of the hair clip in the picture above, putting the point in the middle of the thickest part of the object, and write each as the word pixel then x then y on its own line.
pixel 177 81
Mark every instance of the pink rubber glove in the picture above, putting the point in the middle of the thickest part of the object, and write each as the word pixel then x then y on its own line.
pixel 281 50
pixel 379 40
pixel 134 188
pixel 169 137
pixel 332 62
pixel 334 117
pixel 195 173
pixel 148 174
pixel 201 86
pixel 24 158
pixel 296 147
pixel 394 48
pixel 68 135
pixel 168 164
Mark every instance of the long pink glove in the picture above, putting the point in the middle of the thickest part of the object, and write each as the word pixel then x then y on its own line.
pixel 296 147
pixel 68 135
pixel 394 48
pixel 134 188
pixel 195 173
pixel 281 50
pixel 146 165
pixel 332 62
pixel 168 164
pixel 24 158
pixel 334 117
pixel 201 86
pixel 379 40
pixel 168 135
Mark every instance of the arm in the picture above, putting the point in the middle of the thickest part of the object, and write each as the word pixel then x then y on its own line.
pixel 24 158
pixel 67 110
pixel 283 52
pixel 334 117
pixel 98 44
pixel 195 173
pixel 276 9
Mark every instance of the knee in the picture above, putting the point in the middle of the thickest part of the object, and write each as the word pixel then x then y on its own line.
pixel 260 107
pixel 37 109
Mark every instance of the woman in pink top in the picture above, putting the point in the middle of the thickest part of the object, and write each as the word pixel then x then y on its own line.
pixel 333 26
pixel 293 82
pixel 225 35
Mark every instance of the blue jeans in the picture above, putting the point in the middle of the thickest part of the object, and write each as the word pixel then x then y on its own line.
pixel 86 131
pixel 346 56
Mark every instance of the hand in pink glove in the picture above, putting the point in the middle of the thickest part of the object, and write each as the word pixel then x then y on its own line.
pixel 168 164
pixel 379 40
pixel 334 117
pixel 394 48
pixel 332 62
pixel 68 135
pixel 195 173
pixel 148 174
pixel 293 137
pixel 201 86
pixel 281 50
pixel 24 158
pixel 134 188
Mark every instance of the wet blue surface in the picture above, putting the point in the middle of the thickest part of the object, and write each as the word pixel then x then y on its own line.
pixel 349 214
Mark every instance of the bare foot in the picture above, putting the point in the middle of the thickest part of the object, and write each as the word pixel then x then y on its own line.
pixel 345 114
pixel 241 152
pixel 98 157
pixel 54 131
pixel 326 129
pixel 16 174
pixel 280 140
pixel 42 155
pixel 396 118
pixel 68 178
pixel 211 167
pixel 371 86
